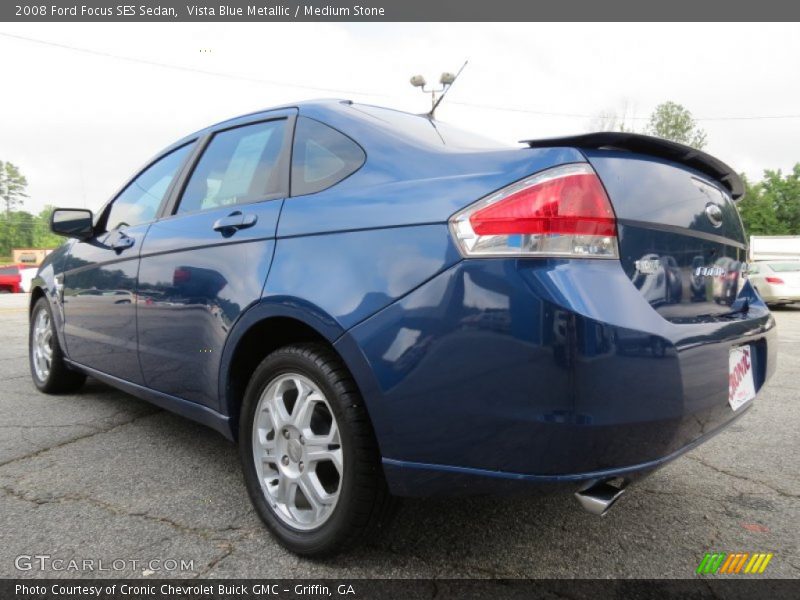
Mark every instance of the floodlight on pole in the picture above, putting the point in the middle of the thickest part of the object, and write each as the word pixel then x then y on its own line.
pixel 446 80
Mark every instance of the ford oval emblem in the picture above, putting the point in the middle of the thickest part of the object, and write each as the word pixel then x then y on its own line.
pixel 714 214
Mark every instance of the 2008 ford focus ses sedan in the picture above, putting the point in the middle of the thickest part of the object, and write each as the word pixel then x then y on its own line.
pixel 374 304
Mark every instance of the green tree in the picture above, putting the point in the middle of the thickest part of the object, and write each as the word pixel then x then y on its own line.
pixel 783 193
pixel 42 236
pixel 672 121
pixel 772 206
pixel 12 186
pixel 16 231
pixel 758 214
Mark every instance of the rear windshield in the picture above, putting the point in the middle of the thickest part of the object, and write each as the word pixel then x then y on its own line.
pixel 429 131
pixel 785 267
pixel 9 271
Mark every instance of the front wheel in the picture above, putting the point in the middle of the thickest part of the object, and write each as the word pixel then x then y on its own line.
pixel 48 369
pixel 309 454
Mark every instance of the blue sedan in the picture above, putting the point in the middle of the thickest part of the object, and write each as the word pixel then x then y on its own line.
pixel 374 304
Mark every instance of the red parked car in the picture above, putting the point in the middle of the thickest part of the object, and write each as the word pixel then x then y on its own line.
pixel 10 279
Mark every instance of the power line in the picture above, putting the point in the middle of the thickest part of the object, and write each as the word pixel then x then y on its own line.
pixel 198 71
pixel 153 63
pixel 527 110
pixel 633 118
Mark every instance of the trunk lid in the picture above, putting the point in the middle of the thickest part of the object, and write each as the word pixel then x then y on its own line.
pixel 681 240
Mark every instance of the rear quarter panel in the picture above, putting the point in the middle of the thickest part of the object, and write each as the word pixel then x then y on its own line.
pixel 362 244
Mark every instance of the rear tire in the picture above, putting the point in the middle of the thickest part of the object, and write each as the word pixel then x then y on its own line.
pixel 50 373
pixel 317 483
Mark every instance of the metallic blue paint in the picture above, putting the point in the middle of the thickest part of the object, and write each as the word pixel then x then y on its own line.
pixel 48 283
pixel 422 479
pixel 381 266
pixel 426 191
pixel 194 284
pixel 477 374
pixel 99 303
pixel 661 211
pixel 532 367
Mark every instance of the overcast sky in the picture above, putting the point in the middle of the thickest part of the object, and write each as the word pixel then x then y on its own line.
pixel 79 123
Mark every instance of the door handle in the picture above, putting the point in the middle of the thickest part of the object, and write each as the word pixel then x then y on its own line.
pixel 234 222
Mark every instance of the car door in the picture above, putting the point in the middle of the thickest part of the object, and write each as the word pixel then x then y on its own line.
pixel 99 276
pixel 205 261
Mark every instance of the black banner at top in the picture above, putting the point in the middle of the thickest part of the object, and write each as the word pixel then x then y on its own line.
pixel 396 10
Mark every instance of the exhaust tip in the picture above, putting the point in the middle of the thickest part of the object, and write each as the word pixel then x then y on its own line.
pixel 599 497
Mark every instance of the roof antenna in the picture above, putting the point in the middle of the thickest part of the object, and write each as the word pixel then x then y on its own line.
pixel 446 81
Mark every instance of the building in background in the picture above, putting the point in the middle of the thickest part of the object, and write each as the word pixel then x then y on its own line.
pixel 29 256
pixel 774 247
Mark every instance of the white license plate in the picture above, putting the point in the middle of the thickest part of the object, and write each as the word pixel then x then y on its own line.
pixel 741 388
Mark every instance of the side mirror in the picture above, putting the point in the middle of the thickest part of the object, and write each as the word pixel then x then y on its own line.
pixel 72 222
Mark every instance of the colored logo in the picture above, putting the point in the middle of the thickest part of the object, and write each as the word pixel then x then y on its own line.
pixel 736 563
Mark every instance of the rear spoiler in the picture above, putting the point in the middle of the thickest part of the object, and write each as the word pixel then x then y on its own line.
pixel 652 146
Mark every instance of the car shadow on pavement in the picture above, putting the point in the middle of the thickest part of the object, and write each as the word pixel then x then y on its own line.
pixel 147 467
pixel 785 308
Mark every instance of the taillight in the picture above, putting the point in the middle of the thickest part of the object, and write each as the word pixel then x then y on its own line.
pixel 776 280
pixel 561 212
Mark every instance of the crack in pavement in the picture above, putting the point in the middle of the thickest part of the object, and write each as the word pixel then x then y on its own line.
pixel 211 535
pixel 205 533
pixel 79 438
pixel 778 491
pixel 229 547
pixel 12 377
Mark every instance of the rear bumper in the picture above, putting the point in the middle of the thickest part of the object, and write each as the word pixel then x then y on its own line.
pixel 424 480
pixel 777 294
pixel 10 287
pixel 503 373
pixel 781 299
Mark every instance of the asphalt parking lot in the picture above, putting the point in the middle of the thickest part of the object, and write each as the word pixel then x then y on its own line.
pixel 102 475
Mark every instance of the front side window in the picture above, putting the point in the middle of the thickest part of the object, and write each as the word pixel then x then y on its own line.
pixel 239 166
pixel 321 157
pixel 139 202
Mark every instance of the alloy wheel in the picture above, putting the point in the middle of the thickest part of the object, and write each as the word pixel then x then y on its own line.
pixel 42 345
pixel 297 451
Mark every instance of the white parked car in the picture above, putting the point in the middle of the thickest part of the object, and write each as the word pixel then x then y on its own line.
pixel 27 274
pixel 777 282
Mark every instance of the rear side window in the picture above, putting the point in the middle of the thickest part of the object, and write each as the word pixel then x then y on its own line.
pixel 321 157
pixel 239 166
pixel 9 271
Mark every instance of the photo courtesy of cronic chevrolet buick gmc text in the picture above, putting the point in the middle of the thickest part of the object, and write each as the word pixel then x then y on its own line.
pixel 374 304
